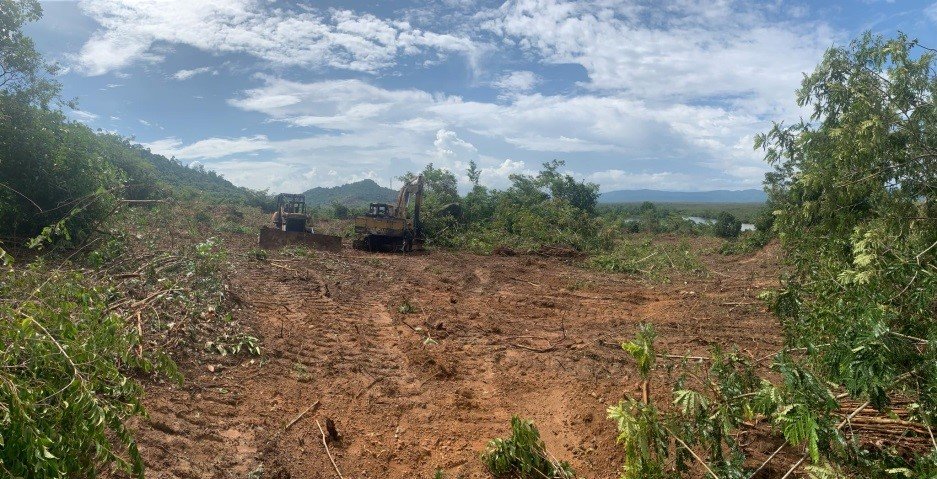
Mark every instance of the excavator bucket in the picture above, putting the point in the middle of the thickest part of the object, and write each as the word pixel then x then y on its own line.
pixel 271 238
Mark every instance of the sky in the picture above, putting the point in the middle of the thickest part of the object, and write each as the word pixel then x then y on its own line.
pixel 290 95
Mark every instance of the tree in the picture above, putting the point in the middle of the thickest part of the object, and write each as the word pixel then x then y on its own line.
pixel 473 172
pixel 581 195
pixel 726 225
pixel 23 71
pixel 854 193
pixel 440 184
pixel 339 211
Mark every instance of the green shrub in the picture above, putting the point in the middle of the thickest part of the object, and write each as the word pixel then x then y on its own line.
pixel 523 455
pixel 727 226
pixel 339 211
pixel 65 387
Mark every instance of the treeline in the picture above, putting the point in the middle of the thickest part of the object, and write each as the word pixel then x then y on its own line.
pixel 550 209
pixel 58 172
pixel 54 170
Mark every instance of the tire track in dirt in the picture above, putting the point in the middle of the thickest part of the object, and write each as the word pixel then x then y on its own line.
pixel 520 335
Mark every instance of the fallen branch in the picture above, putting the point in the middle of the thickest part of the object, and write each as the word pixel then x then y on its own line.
pixel 549 348
pixel 677 356
pixel 536 350
pixel 763 464
pixel 524 281
pixel 296 419
pixel 371 384
pixel 838 427
pixel 327 451
pixel 690 450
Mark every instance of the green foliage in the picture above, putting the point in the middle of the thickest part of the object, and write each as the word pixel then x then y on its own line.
pixel 747 242
pixel 710 407
pixel 523 455
pixel 24 74
pixel 641 348
pixel 644 439
pixel 52 170
pixel 258 254
pixel 406 307
pixel 853 194
pixel 564 187
pixel 226 345
pixel 652 259
pixel 65 387
pixel 339 211
pixel 727 226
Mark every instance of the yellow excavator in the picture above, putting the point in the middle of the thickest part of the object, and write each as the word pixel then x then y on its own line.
pixel 387 227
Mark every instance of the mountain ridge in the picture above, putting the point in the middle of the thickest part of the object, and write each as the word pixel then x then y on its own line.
pixel 350 194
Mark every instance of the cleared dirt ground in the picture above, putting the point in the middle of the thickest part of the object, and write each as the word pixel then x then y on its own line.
pixel 523 335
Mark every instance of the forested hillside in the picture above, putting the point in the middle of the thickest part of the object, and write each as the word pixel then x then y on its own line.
pixel 53 169
pixel 359 193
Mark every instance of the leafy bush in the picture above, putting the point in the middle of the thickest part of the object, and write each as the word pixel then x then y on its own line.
pixel 727 226
pixel 854 192
pixel 523 455
pixel 65 392
pixel 339 211
pixel 747 242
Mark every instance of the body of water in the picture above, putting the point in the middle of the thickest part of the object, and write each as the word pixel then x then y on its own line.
pixel 706 221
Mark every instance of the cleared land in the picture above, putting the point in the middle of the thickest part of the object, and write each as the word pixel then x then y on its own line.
pixel 488 337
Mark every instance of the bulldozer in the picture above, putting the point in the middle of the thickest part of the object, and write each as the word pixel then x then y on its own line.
pixel 387 227
pixel 291 227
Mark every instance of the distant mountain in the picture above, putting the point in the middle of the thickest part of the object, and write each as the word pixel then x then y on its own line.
pixel 353 194
pixel 715 196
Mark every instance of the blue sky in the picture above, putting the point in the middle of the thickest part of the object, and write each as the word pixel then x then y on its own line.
pixel 286 96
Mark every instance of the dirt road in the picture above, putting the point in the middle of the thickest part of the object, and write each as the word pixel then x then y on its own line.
pixel 488 337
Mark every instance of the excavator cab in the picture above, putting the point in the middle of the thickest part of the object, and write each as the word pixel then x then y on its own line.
pixel 379 210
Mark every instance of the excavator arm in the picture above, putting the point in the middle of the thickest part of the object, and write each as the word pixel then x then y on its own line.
pixel 414 191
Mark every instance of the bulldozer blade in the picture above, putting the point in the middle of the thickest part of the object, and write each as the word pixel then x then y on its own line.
pixel 271 238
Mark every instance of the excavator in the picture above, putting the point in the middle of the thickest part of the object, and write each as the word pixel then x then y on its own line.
pixel 387 227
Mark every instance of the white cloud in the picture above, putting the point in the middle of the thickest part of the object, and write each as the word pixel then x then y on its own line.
pixel 210 148
pixel 678 51
pixel 374 125
pixel 186 74
pixel 450 146
pixel 517 82
pixel 290 37
pixel 931 11
pixel 84 116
